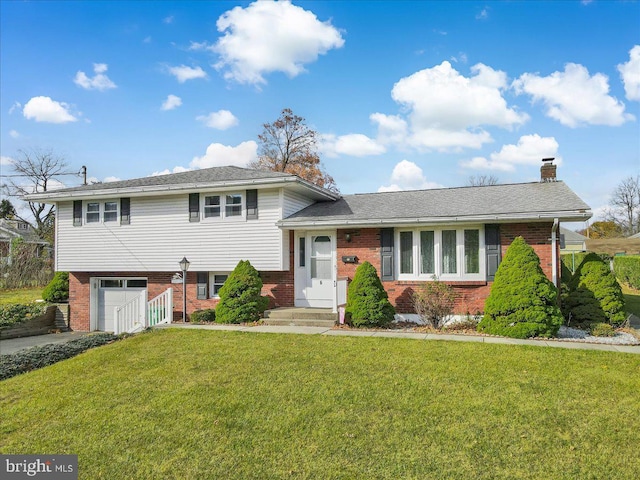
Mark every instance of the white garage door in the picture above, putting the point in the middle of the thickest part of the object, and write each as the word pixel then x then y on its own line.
pixel 114 292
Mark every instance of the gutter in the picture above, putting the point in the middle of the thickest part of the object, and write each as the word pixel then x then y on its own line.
pixel 554 251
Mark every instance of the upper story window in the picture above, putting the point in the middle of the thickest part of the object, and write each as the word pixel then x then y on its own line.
pixel 23 226
pixel 223 206
pixel 449 254
pixel 107 211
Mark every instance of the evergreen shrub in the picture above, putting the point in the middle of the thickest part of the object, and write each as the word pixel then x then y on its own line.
pixel 522 301
pixel 594 294
pixel 367 301
pixel 627 270
pixel 240 300
pixel 58 288
pixel 203 316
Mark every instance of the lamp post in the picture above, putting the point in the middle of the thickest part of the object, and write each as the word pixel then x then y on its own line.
pixel 184 266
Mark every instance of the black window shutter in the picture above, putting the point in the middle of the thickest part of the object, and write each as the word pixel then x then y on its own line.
pixel 77 213
pixel 203 283
pixel 492 247
pixel 194 207
pixel 125 211
pixel 252 204
pixel 386 254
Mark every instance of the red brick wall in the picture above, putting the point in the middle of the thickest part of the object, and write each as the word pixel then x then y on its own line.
pixel 470 296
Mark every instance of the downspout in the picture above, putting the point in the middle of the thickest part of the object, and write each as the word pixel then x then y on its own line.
pixel 554 251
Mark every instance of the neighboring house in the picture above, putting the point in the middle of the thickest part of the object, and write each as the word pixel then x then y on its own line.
pixel 11 230
pixel 573 241
pixel 122 238
pixel 635 237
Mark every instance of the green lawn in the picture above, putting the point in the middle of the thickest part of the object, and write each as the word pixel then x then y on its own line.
pixel 20 295
pixel 197 404
pixel 632 300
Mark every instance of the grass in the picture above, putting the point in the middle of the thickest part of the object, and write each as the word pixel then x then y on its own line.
pixel 197 404
pixel 20 295
pixel 631 299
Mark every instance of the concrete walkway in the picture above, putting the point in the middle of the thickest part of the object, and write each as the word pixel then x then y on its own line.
pixel 414 335
pixel 13 345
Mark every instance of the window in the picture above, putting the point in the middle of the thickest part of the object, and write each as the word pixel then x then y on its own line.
pixel 22 226
pixel 93 212
pixel 321 257
pixel 110 283
pixel 226 205
pixel 449 254
pixel 217 280
pixel 106 211
pixel 212 206
pixel 233 205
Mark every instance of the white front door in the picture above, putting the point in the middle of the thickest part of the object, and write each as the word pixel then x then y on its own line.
pixel 315 269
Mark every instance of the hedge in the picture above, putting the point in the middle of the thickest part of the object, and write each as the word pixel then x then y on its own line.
pixel 627 270
pixel 37 357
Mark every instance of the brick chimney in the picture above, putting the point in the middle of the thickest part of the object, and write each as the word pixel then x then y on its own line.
pixel 548 170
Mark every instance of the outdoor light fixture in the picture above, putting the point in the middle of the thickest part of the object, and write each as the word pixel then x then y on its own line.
pixel 184 266
pixel 347 237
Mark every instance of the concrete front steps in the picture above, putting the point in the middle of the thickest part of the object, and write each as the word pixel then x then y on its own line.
pixel 302 317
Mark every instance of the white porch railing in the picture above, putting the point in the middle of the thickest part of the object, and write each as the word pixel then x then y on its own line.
pixel 138 314
pixel 160 309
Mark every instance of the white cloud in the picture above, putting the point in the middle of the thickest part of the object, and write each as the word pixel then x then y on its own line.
pixel 353 144
pixel 99 81
pixel 271 37
pixel 14 134
pixel 111 179
pixel 14 107
pixel 630 74
pixel 6 160
pixel 184 73
pixel 201 46
pixel 218 155
pixel 44 109
pixel 171 102
pixel 483 14
pixel 447 110
pixel 166 171
pixel 168 20
pixel 573 97
pixel 407 175
pixel 530 150
pixel 220 120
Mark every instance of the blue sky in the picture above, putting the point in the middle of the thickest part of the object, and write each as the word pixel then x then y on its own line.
pixel 404 94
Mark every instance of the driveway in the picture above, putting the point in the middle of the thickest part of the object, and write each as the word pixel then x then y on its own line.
pixel 13 345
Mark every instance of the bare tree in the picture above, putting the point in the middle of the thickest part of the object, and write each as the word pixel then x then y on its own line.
pixel 482 180
pixel 289 145
pixel 35 171
pixel 625 203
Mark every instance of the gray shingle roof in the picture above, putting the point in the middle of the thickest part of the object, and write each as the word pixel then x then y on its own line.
pixel 571 236
pixel 205 175
pixel 500 202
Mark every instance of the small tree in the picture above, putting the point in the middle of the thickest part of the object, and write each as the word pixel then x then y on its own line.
pixel 434 302
pixel 594 294
pixel 522 301
pixel 240 300
pixel 367 302
pixel 58 289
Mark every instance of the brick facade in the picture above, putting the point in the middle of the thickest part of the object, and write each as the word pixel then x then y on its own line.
pixel 279 286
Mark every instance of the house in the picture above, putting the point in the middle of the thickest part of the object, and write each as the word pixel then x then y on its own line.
pixel 572 241
pixel 11 230
pixel 123 240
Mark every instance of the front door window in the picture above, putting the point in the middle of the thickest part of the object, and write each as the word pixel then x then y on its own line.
pixel 321 258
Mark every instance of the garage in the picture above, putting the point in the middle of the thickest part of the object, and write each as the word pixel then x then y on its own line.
pixel 111 293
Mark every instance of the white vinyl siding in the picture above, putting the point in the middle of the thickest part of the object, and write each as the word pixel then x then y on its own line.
pixel 160 234
pixel 294 202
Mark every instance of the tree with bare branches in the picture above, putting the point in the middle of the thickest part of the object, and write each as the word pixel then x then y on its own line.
pixel 482 180
pixel 289 145
pixel 625 203
pixel 35 171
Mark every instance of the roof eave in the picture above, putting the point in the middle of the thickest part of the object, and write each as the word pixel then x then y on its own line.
pixel 55 196
pixel 563 216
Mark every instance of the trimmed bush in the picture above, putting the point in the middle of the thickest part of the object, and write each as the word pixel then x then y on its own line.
pixel 38 357
pixel 602 330
pixel 627 270
pixel 15 313
pixel 522 301
pixel 203 316
pixel 433 302
pixel 367 302
pixel 594 294
pixel 240 300
pixel 58 288
pixel 571 261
